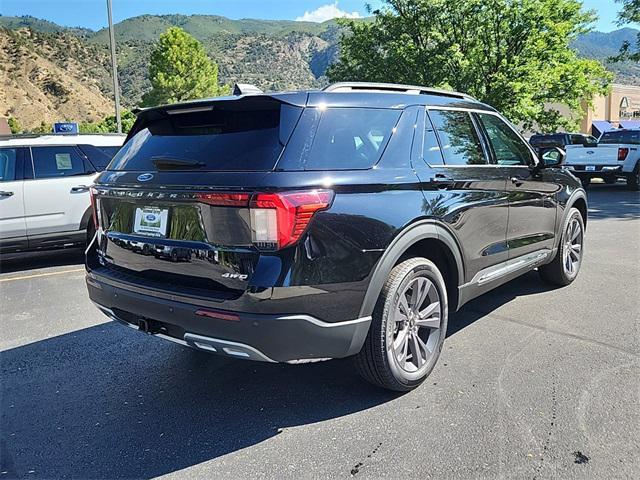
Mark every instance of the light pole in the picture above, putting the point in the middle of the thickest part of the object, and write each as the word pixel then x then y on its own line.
pixel 114 67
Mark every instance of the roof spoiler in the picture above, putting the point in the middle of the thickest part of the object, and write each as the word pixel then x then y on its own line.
pixel 245 88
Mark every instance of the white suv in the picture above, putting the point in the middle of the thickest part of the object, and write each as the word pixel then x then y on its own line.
pixel 44 188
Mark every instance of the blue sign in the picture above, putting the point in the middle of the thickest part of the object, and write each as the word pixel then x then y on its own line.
pixel 65 127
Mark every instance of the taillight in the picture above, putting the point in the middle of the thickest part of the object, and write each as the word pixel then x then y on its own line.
pixel 94 206
pixel 622 153
pixel 279 219
pixel 224 199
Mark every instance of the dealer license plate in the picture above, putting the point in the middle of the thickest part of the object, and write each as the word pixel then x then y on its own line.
pixel 151 221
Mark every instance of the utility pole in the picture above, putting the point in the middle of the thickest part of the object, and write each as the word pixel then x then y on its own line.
pixel 114 67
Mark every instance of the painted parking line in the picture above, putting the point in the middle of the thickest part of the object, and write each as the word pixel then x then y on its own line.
pixel 36 275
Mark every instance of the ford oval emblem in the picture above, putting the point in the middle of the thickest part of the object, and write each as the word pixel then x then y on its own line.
pixel 145 177
pixel 151 217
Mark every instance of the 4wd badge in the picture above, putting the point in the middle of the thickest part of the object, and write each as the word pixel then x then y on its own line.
pixel 239 276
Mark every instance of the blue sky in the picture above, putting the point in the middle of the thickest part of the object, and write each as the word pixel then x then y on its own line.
pixel 92 13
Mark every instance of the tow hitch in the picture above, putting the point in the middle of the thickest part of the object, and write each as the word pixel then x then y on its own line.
pixel 151 326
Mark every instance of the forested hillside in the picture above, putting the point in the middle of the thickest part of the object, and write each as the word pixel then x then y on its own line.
pixel 52 72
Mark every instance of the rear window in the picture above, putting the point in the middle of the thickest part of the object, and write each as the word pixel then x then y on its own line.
pixel 540 141
pixel 99 156
pixel 626 136
pixel 244 135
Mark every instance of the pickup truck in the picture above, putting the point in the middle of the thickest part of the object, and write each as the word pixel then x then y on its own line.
pixel 616 155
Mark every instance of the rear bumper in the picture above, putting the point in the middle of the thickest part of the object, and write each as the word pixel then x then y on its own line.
pixel 599 172
pixel 263 337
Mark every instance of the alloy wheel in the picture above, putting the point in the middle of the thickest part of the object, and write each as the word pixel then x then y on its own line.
pixel 572 255
pixel 415 329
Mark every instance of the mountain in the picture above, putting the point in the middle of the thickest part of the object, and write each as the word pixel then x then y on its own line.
pixel 272 54
pixel 49 77
pixel 601 46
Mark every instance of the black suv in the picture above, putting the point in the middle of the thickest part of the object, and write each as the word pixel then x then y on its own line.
pixel 325 224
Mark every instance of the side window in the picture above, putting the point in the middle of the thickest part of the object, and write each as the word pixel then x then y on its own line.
pixel 431 152
pixel 8 163
pixel 507 146
pixel 53 162
pixel 351 138
pixel 578 139
pixel 458 138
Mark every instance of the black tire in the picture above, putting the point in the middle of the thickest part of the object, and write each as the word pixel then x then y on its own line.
pixel 585 181
pixel 555 273
pixel 174 256
pixel 377 365
pixel 633 179
pixel 610 180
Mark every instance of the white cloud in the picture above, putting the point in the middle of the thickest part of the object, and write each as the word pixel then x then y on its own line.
pixel 326 12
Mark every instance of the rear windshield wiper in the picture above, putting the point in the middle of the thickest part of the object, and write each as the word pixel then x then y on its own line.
pixel 168 163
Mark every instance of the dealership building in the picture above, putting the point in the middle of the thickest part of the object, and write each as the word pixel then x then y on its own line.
pixel 620 108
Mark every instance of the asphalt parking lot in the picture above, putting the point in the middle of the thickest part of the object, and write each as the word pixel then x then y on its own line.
pixel 532 383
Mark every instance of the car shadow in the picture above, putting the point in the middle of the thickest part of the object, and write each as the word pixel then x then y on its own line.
pixel 106 402
pixel 20 262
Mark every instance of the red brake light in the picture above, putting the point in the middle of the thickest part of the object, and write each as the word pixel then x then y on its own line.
pixel 279 219
pixel 224 199
pixel 94 206
pixel 622 153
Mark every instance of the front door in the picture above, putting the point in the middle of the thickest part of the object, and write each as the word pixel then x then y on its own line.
pixel 532 198
pixel 12 222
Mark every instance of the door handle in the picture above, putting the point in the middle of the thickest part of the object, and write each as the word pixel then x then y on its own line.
pixel 6 194
pixel 79 189
pixel 517 181
pixel 442 181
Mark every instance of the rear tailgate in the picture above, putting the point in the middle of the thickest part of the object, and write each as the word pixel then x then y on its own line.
pixel 185 242
pixel 594 156
pixel 173 205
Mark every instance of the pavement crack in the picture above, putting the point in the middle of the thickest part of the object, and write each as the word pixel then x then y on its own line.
pixel 557 332
pixel 552 423
pixel 356 468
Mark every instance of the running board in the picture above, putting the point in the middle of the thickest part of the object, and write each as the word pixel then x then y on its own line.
pixel 524 262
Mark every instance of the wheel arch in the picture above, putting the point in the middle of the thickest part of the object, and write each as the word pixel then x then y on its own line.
pixel 86 218
pixel 425 238
pixel 578 199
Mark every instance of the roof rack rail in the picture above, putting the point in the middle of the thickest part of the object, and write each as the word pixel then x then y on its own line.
pixel 391 87
pixel 22 135
pixel 51 134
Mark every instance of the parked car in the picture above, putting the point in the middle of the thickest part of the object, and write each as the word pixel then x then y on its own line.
pixel 616 155
pixel 175 254
pixel 562 140
pixel 345 222
pixel 44 188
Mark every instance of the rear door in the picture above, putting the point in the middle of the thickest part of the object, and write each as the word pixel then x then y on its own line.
pixel 464 189
pixel 532 203
pixel 12 222
pixel 58 196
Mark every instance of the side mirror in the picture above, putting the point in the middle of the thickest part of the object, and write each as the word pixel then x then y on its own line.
pixel 551 157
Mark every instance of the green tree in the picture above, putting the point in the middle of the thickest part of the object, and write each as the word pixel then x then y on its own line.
pixel 43 128
pixel 181 70
pixel 512 54
pixel 14 126
pixel 630 13
pixel 109 125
